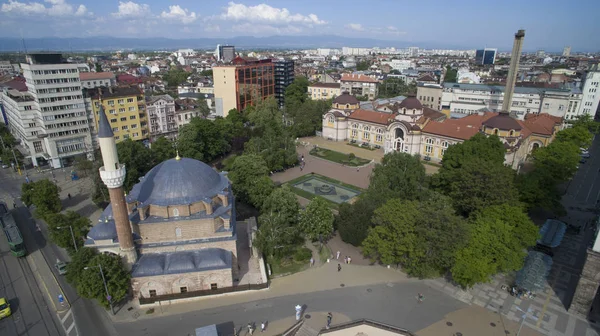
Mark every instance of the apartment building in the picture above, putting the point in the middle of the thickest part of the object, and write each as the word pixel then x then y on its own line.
pixel 242 83
pixel 284 76
pixel 430 95
pixel 590 94
pixel 359 85
pixel 90 80
pixel 185 110
pixel 49 117
pixel 161 112
pixel 125 108
pixel 324 91
pixel 466 99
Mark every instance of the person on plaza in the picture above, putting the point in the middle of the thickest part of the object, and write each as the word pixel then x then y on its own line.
pixel 262 327
pixel 420 297
pixel 14 205
pixel 329 318
pixel 312 261
pixel 339 267
pixel 69 196
pixel 337 256
pixel 250 328
pixel 349 260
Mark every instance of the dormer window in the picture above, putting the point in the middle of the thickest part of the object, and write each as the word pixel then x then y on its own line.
pixel 495 131
pixel 414 111
pixel 512 133
pixel 403 110
pixel 347 106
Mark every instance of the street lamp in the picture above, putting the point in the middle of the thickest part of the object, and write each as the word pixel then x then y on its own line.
pixel 523 317
pixel 72 235
pixel 108 297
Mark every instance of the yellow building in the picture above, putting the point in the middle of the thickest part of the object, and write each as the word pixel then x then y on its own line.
pixel 125 108
pixel 324 91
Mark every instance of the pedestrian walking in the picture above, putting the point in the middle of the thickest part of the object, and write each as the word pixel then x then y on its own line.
pixel 312 261
pixel 349 260
pixel 339 267
pixel 250 329
pixel 357 169
pixel 420 297
pixel 14 205
pixel 69 196
pixel 337 256
pixel 262 327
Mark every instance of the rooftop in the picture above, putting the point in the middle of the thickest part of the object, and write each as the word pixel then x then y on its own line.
pixel 114 92
pixel 372 116
pixel 358 78
pixel 500 88
pixel 96 75
pixel 153 264
pixel 326 85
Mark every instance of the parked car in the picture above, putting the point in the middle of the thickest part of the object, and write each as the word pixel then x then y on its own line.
pixel 585 156
pixel 61 267
pixel 4 166
pixel 4 308
pixel 582 160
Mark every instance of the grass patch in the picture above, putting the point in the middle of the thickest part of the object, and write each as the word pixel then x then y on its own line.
pixel 324 253
pixel 292 263
pixel 362 147
pixel 346 159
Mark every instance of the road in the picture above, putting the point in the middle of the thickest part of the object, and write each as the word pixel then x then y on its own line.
pixel 395 304
pixel 89 318
pixel 585 185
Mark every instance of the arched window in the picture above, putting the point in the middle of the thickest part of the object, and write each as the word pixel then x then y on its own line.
pixel 355 126
pixel 404 110
pixel 512 133
pixel 429 141
pixel 495 131
pixel 380 131
pixel 414 111
pixel 367 128
pixel 176 212
pixel 331 119
pixel 178 232
pixel 399 133
pixel 347 106
pixel 535 146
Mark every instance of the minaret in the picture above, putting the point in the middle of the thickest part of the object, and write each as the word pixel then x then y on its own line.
pixel 515 57
pixel 113 175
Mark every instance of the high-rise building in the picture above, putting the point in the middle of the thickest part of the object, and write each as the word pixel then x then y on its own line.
pixel 486 56
pixel 126 109
pixel 567 51
pixel 242 84
pixel 284 76
pixel 515 57
pixel 591 92
pixel 49 118
pixel 225 53
pixel 540 54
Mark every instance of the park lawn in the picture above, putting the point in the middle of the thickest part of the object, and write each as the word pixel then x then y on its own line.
pixel 338 157
pixel 287 266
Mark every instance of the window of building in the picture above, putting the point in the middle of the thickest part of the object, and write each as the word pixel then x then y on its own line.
pixel 111 103
pixel 121 110
pixel 177 230
pixel 495 131
pixel 176 212
pixel 354 133
pixel 132 117
pixel 115 129
pixel 428 149
pixel 355 126
pixel 379 138
pixel 121 101
pixel 37 146
pixel 511 133
pixel 366 135
pixel 130 100
pixel 152 292
pixel 213 286
pixel 112 112
pixel 113 120
pixel 125 136
pixel 429 141
pixel 117 137
pixel 135 135
pixel 133 125
pixel 131 108
pixel 183 289
pixel 124 127
pixel 331 119
pixel 123 118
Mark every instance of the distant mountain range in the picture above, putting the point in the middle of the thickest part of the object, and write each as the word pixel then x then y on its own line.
pixel 106 43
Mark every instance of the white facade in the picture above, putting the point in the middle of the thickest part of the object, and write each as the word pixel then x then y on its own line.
pixel 355 51
pixel 400 65
pixel 590 93
pixel 468 99
pixel 61 122
pixel 161 111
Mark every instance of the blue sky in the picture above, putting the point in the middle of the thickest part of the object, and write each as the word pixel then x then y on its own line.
pixel 549 24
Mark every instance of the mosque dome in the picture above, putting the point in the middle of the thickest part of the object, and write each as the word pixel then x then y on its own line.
pixel 346 98
pixel 178 182
pixel 410 103
pixel 503 121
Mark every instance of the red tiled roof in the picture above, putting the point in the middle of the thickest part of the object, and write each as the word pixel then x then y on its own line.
pixel 17 83
pixel 372 116
pixel 541 124
pixel 126 78
pixel 96 75
pixel 358 78
pixel 426 78
pixel 463 128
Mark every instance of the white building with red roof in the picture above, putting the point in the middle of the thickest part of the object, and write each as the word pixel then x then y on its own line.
pixel 359 85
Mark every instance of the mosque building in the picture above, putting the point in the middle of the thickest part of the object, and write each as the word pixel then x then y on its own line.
pixel 176 229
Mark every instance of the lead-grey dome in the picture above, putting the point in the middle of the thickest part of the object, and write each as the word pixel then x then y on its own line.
pixel 178 182
pixel 152 264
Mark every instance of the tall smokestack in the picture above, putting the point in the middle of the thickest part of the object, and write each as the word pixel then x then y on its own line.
pixel 514 69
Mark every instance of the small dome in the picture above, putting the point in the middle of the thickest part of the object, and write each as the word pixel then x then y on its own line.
pixel 411 103
pixel 503 121
pixel 103 231
pixel 152 264
pixel 346 98
pixel 178 182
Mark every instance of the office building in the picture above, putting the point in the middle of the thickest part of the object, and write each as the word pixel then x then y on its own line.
pixel 225 53
pixel 284 76
pixel 242 83
pixel 591 92
pixel 486 56
pixel 125 108
pixel 49 117
pixel 566 51
pixel 90 80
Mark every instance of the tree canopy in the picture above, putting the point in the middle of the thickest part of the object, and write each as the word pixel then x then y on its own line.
pixel 393 87
pixel 250 180
pixel 451 74
pixel 284 202
pixel 137 158
pixel 44 195
pixel 559 159
pixel 91 286
pixel 175 77
pixel 60 234
pixel 205 140
pixel 163 149
pixel 362 66
pixel 316 221
pixel 296 93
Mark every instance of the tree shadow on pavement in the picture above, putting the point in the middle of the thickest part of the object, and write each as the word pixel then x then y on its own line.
pixel 74 200
pixel 227 329
pixel 87 210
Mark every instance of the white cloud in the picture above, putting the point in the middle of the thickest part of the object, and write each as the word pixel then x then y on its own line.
pixel 394 30
pixel 58 8
pixel 355 26
pixel 212 29
pixel 266 14
pixel 131 9
pixel 177 13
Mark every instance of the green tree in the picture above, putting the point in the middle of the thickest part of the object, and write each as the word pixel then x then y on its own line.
pixel 431 228
pixel 559 160
pixel 204 139
pixel 274 237
pixel 249 175
pixel 283 202
pixel 79 261
pixel 137 159
pixel 203 107
pixel 60 234
pixel 586 121
pixel 478 147
pixel 363 66
pixel 537 189
pixel 175 77
pixel 297 92
pixel 451 74
pixel 163 149
pixel 392 87
pixel 354 220
pixel 44 195
pixel 91 286
pixel 98 67
pixel 307 117
pixel 206 73
pixel 240 133
pixel 578 135
pixel 498 240
pixel 83 165
pixel 316 221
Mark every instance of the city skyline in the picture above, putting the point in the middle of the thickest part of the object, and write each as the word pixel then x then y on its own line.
pixel 468 24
